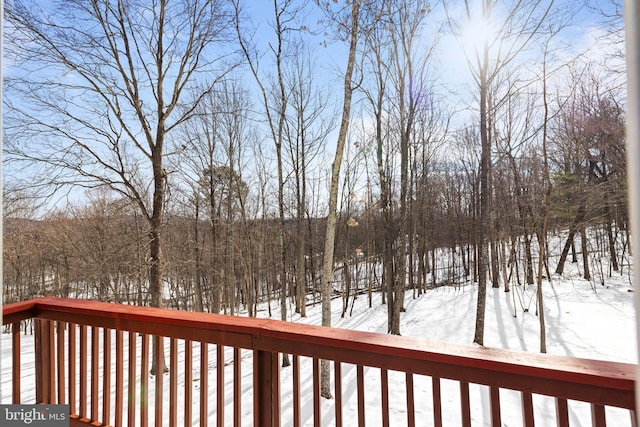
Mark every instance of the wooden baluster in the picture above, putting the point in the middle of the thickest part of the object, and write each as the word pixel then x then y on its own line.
pixel 131 387
pixel 95 351
pixel 360 388
pixel 204 384
pixel 45 373
pixel 411 407
pixel 562 413
pixel 527 410
pixel 188 383
pixel 119 377
pixel 598 417
pixel 106 376
pixel 494 396
pixel 384 383
pixel 437 402
pixel 337 371
pixel 266 389
pixel 220 385
pixel 237 387
pixel 464 404
pixel 16 364
pixel 52 361
pixel 317 398
pixel 72 367
pixel 297 416
pixel 83 372
pixel 173 382
pixel 275 387
pixel 60 327
pixel 158 355
pixel 144 382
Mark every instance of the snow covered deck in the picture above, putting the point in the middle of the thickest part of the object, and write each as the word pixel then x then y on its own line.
pixel 431 381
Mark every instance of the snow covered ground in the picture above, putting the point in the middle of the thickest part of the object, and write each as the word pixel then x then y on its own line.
pixel 583 319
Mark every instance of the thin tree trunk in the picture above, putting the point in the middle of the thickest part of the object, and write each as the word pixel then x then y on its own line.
pixel 585 253
pixel 197 298
pixel 329 241
pixel 485 161
pixel 528 259
pixel 610 235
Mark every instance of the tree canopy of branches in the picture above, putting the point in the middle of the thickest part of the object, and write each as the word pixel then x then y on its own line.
pixel 96 89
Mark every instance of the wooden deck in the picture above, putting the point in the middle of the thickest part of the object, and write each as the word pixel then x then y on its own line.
pixel 70 359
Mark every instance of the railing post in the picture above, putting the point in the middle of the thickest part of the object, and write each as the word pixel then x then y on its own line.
pixel 15 375
pixel 45 373
pixel 266 389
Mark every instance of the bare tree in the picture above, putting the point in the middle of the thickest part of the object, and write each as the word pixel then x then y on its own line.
pixel 347 22
pixel 409 69
pixel 94 94
pixel 503 39
pixel 306 131
pixel 274 95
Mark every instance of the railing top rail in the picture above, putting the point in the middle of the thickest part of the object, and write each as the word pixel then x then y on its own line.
pixel 555 375
pixel 17 311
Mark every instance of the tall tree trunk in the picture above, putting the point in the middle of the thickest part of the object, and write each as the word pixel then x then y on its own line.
pixel 485 159
pixel 197 298
pixel 329 241
pixel 542 234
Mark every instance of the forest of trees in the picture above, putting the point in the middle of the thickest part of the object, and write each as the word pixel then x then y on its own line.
pixel 170 154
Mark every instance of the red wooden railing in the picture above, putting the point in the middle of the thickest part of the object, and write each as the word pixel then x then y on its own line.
pixel 72 338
